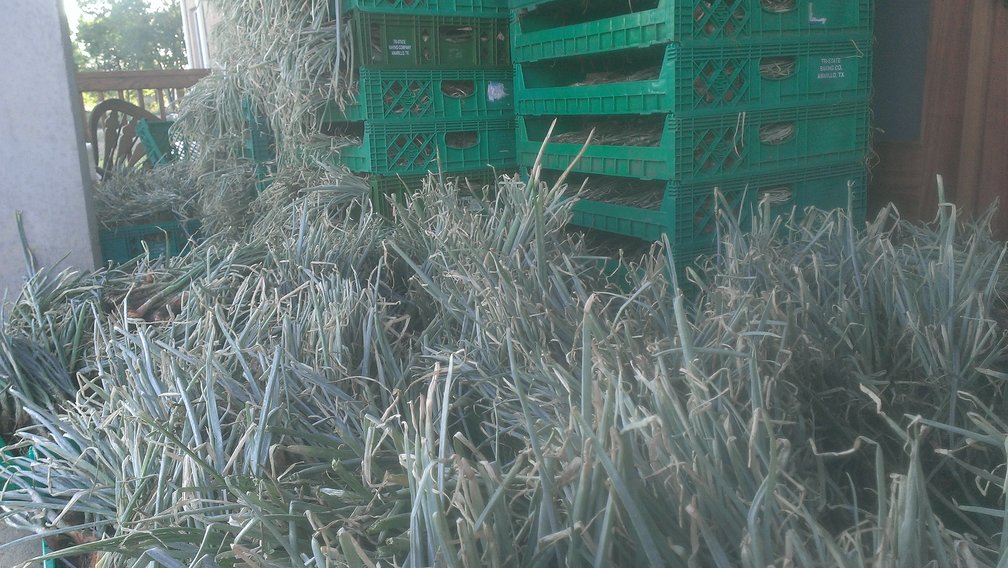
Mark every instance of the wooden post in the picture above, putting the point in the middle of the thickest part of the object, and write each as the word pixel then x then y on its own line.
pixel 975 102
pixel 161 105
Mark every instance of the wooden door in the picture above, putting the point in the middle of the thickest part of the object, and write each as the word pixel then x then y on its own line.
pixel 963 127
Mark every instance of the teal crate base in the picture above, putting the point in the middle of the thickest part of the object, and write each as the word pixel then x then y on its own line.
pixel 167 238
pixel 5 463
pixel 564 28
pixel 392 95
pixel 468 8
pixel 716 147
pixel 418 148
pixel 688 212
pixel 153 134
pixel 259 145
pixel 385 189
pixel 430 42
pixel 701 81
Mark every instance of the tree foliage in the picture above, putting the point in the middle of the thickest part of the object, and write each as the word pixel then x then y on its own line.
pixel 129 35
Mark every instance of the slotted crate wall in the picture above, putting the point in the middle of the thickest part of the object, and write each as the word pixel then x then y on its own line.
pixel 699 81
pixel 385 189
pixel 468 8
pixel 167 238
pixel 413 148
pixel 713 147
pixel 430 42
pixel 392 95
pixel 564 28
pixel 687 212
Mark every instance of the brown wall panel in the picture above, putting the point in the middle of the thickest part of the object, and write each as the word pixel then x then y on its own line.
pixel 964 126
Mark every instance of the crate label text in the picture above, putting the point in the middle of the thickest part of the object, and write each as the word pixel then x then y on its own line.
pixel 831 68
pixel 400 48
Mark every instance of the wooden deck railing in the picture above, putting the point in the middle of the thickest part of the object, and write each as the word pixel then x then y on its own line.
pixel 156 91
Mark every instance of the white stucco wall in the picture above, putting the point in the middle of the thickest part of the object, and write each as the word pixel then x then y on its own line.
pixel 43 166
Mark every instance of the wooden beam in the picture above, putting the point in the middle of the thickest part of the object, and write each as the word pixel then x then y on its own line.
pixel 116 80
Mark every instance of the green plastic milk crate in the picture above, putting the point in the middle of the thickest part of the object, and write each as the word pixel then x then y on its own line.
pixel 687 213
pixel 259 145
pixel 565 28
pixel 700 81
pixel 430 42
pixel 154 136
pixel 468 8
pixel 393 95
pixel 693 149
pixel 416 148
pixel 167 238
pixel 385 189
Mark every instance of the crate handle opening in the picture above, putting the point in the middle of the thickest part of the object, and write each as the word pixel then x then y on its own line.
pixel 456 34
pixel 776 133
pixel 777 68
pixel 778 6
pixel 775 195
pixel 377 53
pixel 459 89
pixel 462 140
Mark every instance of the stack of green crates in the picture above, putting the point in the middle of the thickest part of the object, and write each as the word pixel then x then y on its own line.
pixel 762 101
pixel 435 93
